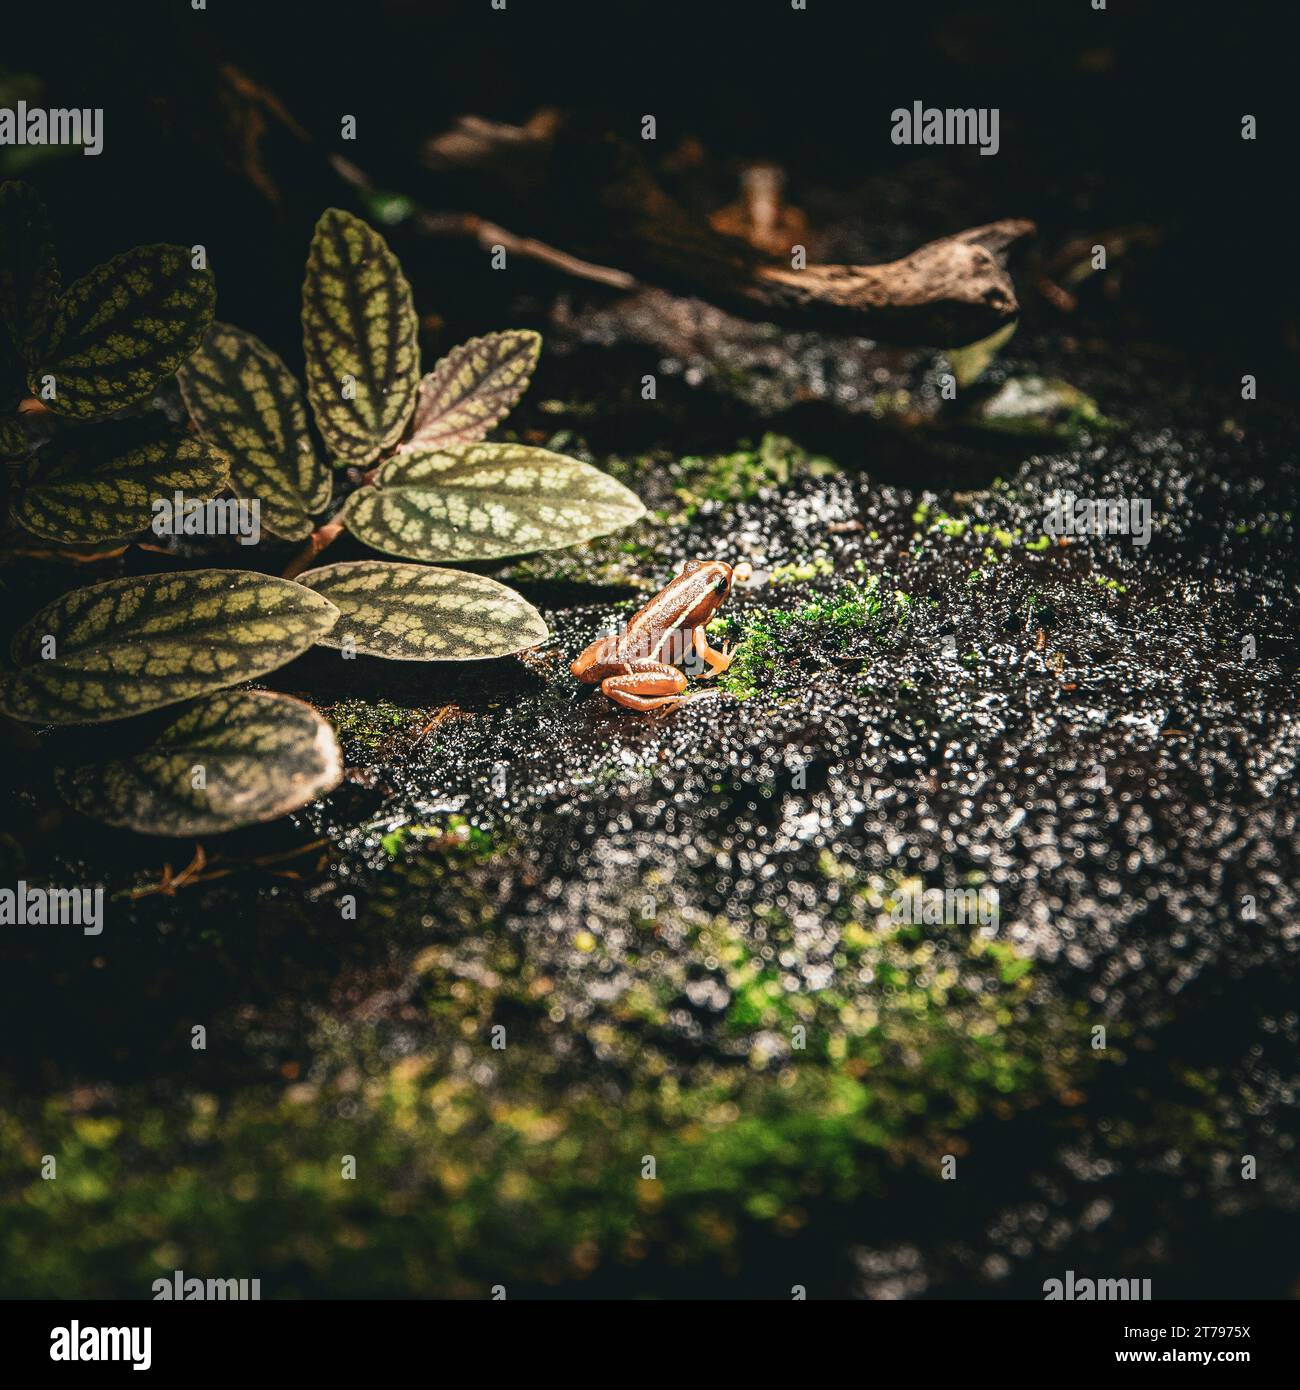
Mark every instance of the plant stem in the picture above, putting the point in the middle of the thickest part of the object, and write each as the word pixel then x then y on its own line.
pixel 320 538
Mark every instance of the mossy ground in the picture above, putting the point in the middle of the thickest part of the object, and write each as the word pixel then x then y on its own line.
pixel 479 1165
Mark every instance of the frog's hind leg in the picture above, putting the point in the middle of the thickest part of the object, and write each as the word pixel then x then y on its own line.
pixel 646 685
pixel 717 662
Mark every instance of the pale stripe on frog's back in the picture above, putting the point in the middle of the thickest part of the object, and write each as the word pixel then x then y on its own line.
pixel 673 600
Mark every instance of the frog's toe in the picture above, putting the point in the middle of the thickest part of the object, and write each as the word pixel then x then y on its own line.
pixel 718 663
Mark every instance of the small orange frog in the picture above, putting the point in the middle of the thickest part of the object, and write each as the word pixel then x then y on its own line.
pixel 635 667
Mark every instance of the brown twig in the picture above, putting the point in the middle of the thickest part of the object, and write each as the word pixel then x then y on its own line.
pixel 489 235
pixel 169 882
pixel 194 871
pixel 440 716
pixel 73 557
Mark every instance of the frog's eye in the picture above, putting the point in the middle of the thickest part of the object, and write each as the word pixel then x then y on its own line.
pixel 721 585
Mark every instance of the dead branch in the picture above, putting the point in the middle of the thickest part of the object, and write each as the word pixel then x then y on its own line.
pixel 949 292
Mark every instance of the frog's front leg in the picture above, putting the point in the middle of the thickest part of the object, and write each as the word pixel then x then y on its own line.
pixel 645 685
pixel 717 662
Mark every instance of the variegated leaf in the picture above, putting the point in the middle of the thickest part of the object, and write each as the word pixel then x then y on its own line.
pixel 101 487
pixel 414 613
pixel 473 388
pixel 261 756
pixel 133 645
pixel 359 335
pixel 14 443
pixel 121 329
pixel 244 399
pixel 29 272
pixel 486 500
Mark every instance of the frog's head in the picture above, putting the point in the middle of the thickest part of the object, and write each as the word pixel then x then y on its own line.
pixel 717 574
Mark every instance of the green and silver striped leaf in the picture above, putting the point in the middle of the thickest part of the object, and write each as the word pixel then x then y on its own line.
pixel 133 645
pixel 359 336
pixel 29 272
pixel 482 501
pixel 473 388
pixel 414 613
pixel 243 399
pixel 101 485
pixel 121 329
pixel 261 756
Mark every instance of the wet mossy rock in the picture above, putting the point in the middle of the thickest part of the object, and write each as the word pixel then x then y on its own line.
pixel 133 645
pixel 227 761
pixel 484 501
pixel 121 329
pixel 1037 406
pixel 243 399
pixel 86 488
pixel 473 389
pixel 414 613
pixel 360 339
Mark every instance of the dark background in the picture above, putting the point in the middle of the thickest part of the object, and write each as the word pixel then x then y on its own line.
pixel 1110 118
